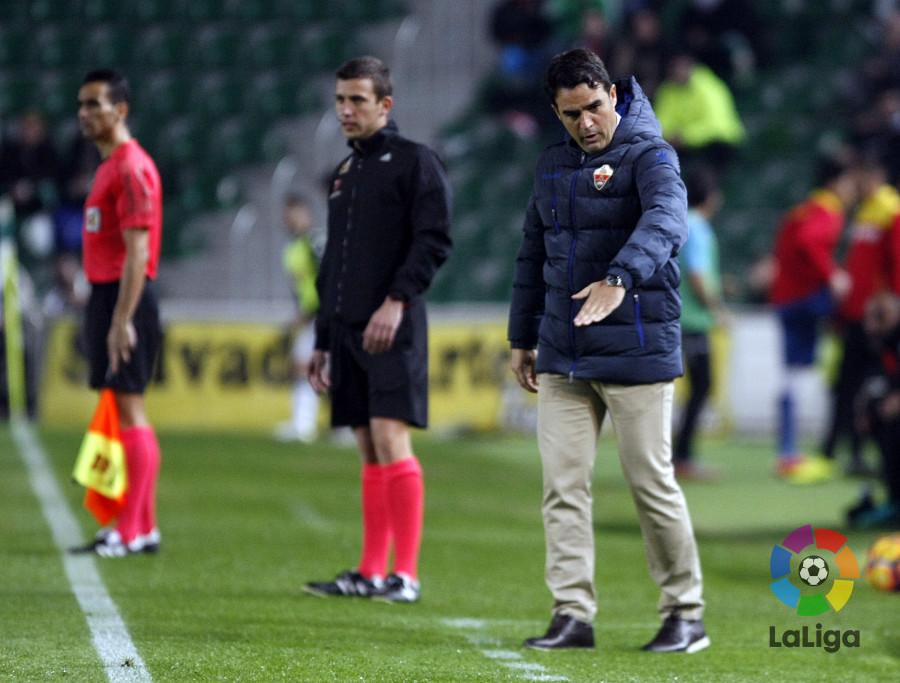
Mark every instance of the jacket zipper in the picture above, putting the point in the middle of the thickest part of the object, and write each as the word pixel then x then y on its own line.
pixel 573 304
pixel 637 319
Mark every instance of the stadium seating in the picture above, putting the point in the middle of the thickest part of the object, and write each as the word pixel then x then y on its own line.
pixel 210 77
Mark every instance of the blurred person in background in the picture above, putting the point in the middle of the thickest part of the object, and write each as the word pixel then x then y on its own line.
pixel 698 115
pixel 389 209
pixel 301 264
pixel 873 264
pixel 121 243
pixel 593 329
pixel 643 50
pixel 701 310
pixel 29 166
pixel 878 411
pixel 807 286
pixel 524 37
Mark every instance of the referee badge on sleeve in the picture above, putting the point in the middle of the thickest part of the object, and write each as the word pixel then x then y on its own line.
pixel 602 176
pixel 92 219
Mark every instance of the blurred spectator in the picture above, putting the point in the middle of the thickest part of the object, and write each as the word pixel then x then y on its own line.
pixel 70 289
pixel 589 24
pixel 594 34
pixel 873 263
pixel 876 130
pixel 524 36
pixel 878 411
pixel 726 35
pixel 882 71
pixel 701 310
pixel 642 51
pixel 301 264
pixel 29 166
pixel 698 115
pixel 76 174
pixel 807 284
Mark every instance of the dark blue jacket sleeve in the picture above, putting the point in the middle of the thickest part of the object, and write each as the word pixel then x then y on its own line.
pixel 662 228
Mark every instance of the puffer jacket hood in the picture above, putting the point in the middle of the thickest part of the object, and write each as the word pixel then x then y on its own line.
pixel 620 211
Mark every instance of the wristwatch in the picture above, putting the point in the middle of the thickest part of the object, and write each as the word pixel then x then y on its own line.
pixel 614 281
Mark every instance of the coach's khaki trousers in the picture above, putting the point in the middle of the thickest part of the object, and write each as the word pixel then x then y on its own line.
pixel 570 415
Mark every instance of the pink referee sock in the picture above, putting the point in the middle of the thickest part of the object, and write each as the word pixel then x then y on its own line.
pixel 376 524
pixel 142 460
pixel 406 507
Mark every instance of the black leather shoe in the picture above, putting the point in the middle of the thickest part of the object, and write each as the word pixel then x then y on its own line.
pixel 564 632
pixel 679 635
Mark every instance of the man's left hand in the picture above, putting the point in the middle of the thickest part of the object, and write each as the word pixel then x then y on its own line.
pixel 382 328
pixel 602 299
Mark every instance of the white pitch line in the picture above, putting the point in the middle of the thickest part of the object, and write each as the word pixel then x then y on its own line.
pixel 120 657
pixel 514 661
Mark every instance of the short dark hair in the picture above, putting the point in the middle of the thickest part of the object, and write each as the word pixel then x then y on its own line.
pixel 831 167
pixel 700 182
pixel 371 68
pixel 117 85
pixel 570 69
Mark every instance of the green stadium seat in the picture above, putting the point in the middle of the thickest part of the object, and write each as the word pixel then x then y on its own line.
pixel 107 45
pixel 274 94
pixel 163 95
pixel 161 46
pixel 16 45
pixel 55 46
pixel 217 94
pixel 16 90
pixel 216 46
pixel 269 46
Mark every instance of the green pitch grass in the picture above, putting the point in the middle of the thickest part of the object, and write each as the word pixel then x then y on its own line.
pixel 247 521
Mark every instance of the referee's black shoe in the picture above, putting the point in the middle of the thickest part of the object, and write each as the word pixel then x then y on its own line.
pixel 679 635
pixel 349 584
pixel 565 632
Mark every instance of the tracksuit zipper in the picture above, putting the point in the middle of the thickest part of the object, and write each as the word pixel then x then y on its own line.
pixel 573 304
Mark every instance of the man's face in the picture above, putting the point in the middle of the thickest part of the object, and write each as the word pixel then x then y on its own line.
pixel 360 113
pixel 97 115
pixel 589 114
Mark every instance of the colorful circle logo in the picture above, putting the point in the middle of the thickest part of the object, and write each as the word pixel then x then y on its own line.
pixel 813 570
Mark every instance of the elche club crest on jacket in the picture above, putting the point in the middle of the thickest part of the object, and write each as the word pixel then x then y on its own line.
pixel 602 176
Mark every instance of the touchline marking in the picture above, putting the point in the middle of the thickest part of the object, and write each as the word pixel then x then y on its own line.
pixel 514 661
pixel 120 658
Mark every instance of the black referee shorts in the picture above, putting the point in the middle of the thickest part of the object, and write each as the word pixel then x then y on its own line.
pixel 393 384
pixel 134 375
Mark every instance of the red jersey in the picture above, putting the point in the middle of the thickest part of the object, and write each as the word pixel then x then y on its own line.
pixel 872 257
pixel 804 248
pixel 126 194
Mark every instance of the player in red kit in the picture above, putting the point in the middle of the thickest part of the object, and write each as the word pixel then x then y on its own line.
pixel 808 285
pixel 121 240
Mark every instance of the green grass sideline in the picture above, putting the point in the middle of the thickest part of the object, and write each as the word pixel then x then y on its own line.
pixel 247 521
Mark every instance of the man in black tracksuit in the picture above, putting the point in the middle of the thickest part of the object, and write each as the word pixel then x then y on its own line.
pixel 388 232
pixel 594 329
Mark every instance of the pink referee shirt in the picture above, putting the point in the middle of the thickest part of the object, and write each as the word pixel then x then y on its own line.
pixel 126 194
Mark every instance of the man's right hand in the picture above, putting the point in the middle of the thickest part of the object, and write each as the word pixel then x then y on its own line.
pixel 522 362
pixel 318 372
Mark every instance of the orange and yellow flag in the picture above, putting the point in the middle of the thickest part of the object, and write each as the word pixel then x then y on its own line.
pixel 100 465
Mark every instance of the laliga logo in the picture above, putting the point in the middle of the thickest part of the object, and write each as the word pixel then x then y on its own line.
pixel 813 570
pixel 818 589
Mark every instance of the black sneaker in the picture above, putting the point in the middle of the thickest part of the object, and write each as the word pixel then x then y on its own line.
pixel 679 635
pixel 350 584
pixel 398 588
pixel 565 632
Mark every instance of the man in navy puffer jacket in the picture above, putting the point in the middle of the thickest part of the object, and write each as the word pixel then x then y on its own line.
pixel 594 329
